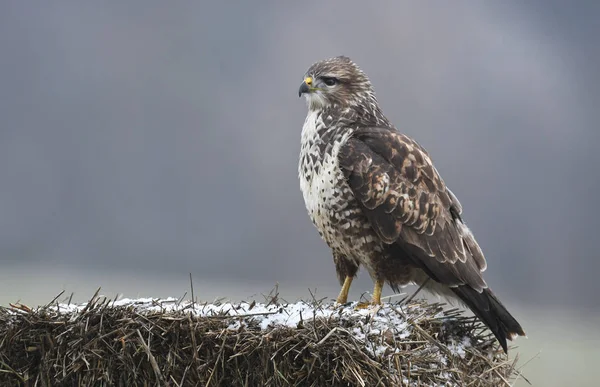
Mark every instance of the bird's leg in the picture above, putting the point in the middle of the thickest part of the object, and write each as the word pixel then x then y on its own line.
pixel 376 298
pixel 343 296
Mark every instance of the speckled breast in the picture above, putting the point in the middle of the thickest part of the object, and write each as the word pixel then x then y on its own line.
pixel 328 198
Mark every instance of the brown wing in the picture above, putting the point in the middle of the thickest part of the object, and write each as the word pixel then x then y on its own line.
pixel 408 204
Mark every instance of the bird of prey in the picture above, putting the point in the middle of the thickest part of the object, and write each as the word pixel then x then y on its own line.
pixel 377 200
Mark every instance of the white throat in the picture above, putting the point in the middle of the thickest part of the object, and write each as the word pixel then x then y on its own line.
pixel 315 100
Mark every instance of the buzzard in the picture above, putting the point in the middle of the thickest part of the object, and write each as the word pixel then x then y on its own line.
pixel 378 202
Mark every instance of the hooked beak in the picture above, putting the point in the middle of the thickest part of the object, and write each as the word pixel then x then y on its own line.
pixel 305 87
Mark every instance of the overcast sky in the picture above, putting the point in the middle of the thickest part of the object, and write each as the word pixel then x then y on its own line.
pixel 149 138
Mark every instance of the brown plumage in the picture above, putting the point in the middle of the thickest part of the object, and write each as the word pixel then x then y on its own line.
pixel 378 201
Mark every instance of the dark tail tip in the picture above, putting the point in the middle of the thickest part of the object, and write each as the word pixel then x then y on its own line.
pixel 492 313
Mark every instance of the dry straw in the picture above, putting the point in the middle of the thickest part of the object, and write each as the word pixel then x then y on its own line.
pixel 173 343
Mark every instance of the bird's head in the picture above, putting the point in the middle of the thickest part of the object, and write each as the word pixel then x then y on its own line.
pixel 336 82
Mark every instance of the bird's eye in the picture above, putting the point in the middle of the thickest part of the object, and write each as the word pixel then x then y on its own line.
pixel 329 81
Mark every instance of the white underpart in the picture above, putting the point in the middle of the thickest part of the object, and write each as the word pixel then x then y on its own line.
pixel 320 186
pixel 326 194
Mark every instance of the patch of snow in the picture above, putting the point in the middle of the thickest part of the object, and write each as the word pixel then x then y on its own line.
pixel 458 348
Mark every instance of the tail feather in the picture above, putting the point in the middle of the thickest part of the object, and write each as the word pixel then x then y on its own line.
pixel 490 310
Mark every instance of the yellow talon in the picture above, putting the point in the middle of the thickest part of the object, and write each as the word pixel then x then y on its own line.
pixel 376 299
pixel 343 296
pixel 377 293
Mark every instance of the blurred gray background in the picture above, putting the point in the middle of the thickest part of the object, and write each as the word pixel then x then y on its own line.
pixel 143 141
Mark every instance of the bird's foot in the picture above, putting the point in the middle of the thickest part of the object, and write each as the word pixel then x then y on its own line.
pixel 375 301
pixel 341 305
pixel 367 305
pixel 342 298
